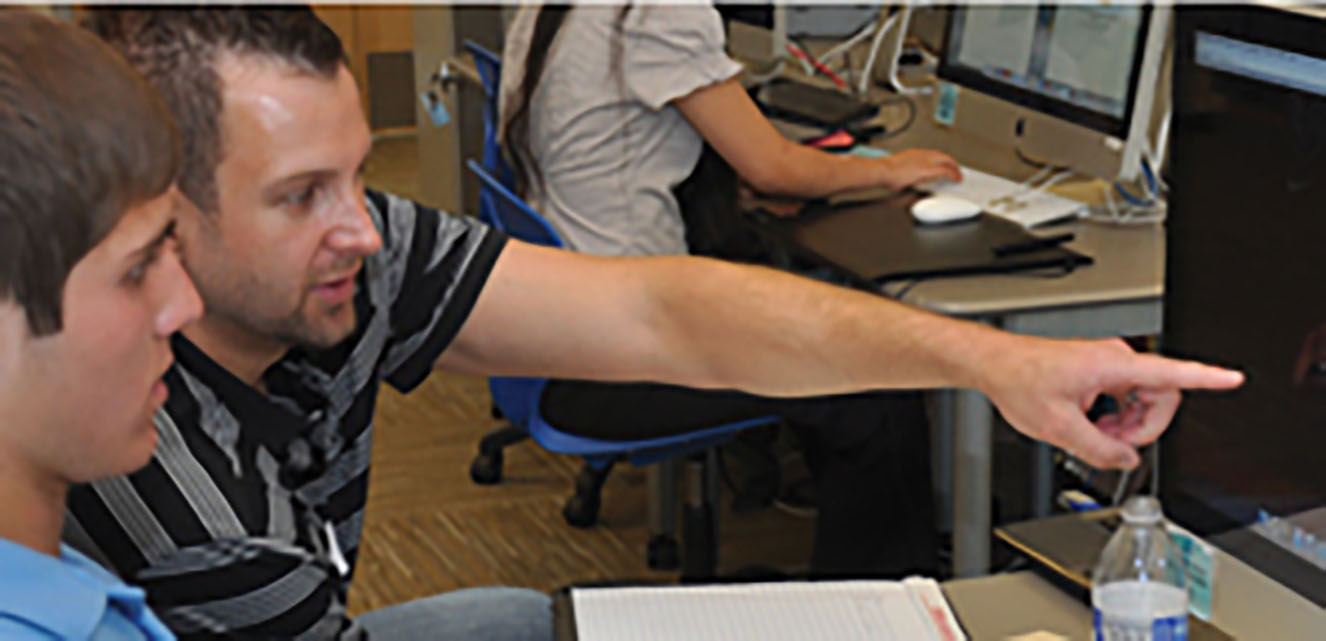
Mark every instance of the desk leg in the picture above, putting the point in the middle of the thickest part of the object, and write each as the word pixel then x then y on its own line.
pixel 662 481
pixel 941 448
pixel 1042 480
pixel 663 552
pixel 971 483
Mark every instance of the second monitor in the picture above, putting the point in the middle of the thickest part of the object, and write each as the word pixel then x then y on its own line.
pixel 1073 85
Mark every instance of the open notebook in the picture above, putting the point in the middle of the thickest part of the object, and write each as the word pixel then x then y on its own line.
pixel 909 610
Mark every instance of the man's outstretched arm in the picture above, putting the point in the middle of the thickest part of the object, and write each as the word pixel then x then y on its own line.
pixel 710 324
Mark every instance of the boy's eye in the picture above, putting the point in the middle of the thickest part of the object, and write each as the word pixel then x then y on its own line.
pixel 138 272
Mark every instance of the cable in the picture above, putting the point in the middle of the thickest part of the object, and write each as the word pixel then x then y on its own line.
pixel 801 54
pixel 845 45
pixel 769 76
pixel 1129 214
pixel 874 50
pixel 805 60
pixel 906 289
pixel 906 101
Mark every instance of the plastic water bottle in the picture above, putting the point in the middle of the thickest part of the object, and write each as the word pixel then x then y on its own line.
pixel 1139 589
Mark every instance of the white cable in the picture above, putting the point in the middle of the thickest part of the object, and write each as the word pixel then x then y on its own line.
pixel 760 79
pixel 1024 186
pixel 850 42
pixel 874 52
pixel 805 62
pixel 1054 180
pixel 1130 214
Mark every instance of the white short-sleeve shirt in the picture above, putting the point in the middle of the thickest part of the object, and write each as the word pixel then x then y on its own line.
pixel 608 142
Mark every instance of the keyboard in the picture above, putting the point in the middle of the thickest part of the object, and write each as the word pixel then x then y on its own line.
pixel 997 195
pixel 1007 199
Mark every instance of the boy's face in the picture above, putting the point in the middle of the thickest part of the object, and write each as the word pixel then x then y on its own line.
pixel 85 395
pixel 279 258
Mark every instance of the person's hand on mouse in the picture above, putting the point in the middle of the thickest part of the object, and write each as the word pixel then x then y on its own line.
pixel 913 166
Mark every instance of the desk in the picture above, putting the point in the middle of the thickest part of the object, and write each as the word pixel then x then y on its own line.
pixel 993 608
pixel 1118 296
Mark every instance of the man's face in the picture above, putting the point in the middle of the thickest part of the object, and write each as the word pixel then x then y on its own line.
pixel 84 396
pixel 278 259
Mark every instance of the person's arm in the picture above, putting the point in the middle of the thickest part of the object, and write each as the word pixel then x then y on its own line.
pixel 729 121
pixel 710 324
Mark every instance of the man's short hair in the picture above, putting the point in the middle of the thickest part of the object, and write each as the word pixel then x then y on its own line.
pixel 177 50
pixel 82 139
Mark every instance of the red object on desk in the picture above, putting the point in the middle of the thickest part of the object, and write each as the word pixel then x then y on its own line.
pixel 839 139
pixel 819 66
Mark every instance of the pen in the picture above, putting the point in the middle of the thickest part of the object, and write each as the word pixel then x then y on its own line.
pixel 1036 244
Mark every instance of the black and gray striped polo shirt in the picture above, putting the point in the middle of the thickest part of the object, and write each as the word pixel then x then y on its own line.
pixel 246 522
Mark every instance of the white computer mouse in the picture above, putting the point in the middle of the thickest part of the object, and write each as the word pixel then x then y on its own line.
pixel 935 210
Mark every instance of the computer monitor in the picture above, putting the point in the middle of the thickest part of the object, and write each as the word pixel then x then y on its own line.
pixel 756 32
pixel 1073 85
pixel 1246 286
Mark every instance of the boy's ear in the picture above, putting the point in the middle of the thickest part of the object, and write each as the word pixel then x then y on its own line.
pixel 14 331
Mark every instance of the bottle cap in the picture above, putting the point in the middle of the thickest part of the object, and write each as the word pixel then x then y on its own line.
pixel 1142 510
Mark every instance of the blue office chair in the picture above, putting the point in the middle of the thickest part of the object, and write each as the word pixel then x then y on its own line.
pixel 489 66
pixel 518 398
pixel 487 466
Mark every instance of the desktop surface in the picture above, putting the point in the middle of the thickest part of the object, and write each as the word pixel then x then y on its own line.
pixel 878 241
pixel 1246 604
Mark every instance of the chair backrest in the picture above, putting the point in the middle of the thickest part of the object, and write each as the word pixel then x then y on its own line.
pixel 519 397
pixel 489 66
pixel 509 213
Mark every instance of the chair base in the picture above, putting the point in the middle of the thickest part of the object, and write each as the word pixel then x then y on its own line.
pixel 486 469
pixel 582 509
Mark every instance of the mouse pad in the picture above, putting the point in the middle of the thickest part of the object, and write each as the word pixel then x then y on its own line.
pixel 879 241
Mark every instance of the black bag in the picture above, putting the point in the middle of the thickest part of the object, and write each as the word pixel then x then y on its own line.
pixel 715 225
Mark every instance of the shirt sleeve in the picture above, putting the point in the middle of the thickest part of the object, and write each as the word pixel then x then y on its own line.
pixel 670 51
pixel 430 272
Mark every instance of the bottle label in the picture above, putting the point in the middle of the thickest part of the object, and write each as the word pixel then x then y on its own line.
pixel 1170 629
pixel 1173 628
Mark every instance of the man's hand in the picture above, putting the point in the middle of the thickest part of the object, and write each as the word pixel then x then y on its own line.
pixel 1044 389
pixel 914 166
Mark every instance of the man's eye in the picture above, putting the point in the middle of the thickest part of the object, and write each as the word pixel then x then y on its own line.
pixel 301 198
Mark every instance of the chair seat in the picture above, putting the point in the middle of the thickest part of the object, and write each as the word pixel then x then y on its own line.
pixel 517 398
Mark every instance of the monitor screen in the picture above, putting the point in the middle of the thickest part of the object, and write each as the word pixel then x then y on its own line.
pixel 1246 286
pixel 1079 63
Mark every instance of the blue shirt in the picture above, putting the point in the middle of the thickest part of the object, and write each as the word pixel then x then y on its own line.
pixel 42 597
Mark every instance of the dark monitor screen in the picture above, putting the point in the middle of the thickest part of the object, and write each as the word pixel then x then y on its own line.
pixel 1078 63
pixel 1246 286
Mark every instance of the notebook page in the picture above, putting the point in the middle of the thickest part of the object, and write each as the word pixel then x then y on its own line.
pixel 792 611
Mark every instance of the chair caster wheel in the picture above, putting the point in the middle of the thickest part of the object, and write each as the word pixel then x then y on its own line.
pixel 486 469
pixel 580 511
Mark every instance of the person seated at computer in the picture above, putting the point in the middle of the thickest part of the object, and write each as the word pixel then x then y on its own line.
pixel 606 111
pixel 90 291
